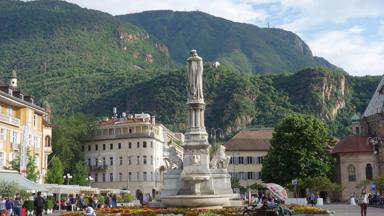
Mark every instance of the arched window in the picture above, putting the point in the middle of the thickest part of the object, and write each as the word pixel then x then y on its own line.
pixel 47 141
pixel 351 173
pixel 368 172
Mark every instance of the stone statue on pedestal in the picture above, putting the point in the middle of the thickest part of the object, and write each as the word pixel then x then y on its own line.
pixel 195 76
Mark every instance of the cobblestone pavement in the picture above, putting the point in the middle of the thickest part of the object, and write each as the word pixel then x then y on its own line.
pixel 347 210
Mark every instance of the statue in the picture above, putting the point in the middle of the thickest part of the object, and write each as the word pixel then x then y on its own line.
pixel 173 161
pixel 219 159
pixel 195 76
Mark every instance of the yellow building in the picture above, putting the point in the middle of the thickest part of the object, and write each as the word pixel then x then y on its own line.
pixel 247 150
pixel 23 125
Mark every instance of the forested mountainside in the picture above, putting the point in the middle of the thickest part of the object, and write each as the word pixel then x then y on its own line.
pixel 82 60
pixel 240 46
pixel 71 56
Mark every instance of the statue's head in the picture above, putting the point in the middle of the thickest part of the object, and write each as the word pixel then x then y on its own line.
pixel 193 52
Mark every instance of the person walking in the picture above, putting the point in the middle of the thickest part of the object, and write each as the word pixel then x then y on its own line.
pixel 363 202
pixel 9 206
pixel 2 206
pixel 39 203
pixel 18 205
pixel 312 199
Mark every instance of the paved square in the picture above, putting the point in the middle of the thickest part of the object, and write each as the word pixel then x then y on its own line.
pixel 347 210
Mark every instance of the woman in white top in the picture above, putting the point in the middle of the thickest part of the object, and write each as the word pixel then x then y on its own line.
pixel 364 202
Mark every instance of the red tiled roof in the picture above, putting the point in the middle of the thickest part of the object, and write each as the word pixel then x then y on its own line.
pixel 353 144
pixel 250 140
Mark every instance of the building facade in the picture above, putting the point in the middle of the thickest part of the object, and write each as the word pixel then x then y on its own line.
pixel 360 156
pixel 128 152
pixel 247 150
pixel 24 128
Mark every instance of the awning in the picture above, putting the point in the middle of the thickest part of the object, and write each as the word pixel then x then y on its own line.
pixel 24 183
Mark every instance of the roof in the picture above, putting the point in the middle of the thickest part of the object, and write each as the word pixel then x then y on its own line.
pixel 353 144
pixel 251 139
pixel 14 176
pixel 376 104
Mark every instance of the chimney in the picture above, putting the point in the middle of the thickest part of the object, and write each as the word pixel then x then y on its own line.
pixel 153 120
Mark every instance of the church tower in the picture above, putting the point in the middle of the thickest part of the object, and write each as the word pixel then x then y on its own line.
pixel 13 79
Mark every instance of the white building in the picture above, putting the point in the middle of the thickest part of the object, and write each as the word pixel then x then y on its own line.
pixel 128 152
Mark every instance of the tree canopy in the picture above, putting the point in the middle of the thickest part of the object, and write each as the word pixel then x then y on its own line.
pixel 55 172
pixel 298 150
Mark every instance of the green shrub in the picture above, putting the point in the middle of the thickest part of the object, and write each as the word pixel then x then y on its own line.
pixel 29 205
pixel 49 203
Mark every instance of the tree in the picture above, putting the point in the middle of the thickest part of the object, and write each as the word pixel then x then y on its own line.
pixel 55 172
pixel 67 136
pixel 32 171
pixel 318 183
pixel 80 174
pixel 298 150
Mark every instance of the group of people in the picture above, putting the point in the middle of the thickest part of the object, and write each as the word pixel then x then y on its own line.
pixel 13 205
pixel 143 198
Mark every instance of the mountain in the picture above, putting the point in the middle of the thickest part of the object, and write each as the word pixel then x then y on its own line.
pixel 82 60
pixel 240 46
pixel 71 56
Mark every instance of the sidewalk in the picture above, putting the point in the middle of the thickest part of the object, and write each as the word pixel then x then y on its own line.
pixel 348 210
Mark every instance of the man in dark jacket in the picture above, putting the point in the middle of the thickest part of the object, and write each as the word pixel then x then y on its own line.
pixel 39 204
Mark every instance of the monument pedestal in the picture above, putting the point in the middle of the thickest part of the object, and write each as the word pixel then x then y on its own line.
pixel 200 182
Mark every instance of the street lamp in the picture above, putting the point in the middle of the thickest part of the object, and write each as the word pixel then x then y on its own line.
pixel 375 142
pixel 89 178
pixel 68 176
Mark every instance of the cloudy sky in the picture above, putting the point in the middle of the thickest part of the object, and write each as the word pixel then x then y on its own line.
pixel 348 33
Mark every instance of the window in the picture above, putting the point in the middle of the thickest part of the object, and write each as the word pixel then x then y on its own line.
pixel 119 145
pixel 111 161
pixel 357 130
pixel 144 176
pixel 104 161
pixel 144 159
pixel 144 144
pixel 103 177
pixel 96 147
pixel 111 177
pixel 129 145
pixel 2 134
pixel 121 160
pixel 138 176
pixel 82 148
pixel 351 173
pixel 103 146
pixel 13 137
pixel 96 162
pixel 138 160
pixel 368 172
pixel 261 159
pixel 89 147
pixel 111 146
pixel 151 176
pixel 151 159
pixel 231 160
pixel 89 161
pixel 1 159
pixel 34 120
pixel 129 160
pixel 120 176
pixel 151 144
pixel 138 144
pixel 249 160
pixel 130 130
pixel 96 177
pixel 241 160
pixel 129 176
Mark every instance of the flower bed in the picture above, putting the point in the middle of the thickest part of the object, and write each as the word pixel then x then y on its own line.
pixel 309 210
pixel 130 211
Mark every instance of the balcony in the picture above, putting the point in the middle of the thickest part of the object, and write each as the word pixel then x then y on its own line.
pixel 122 136
pixel 9 120
pixel 98 167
